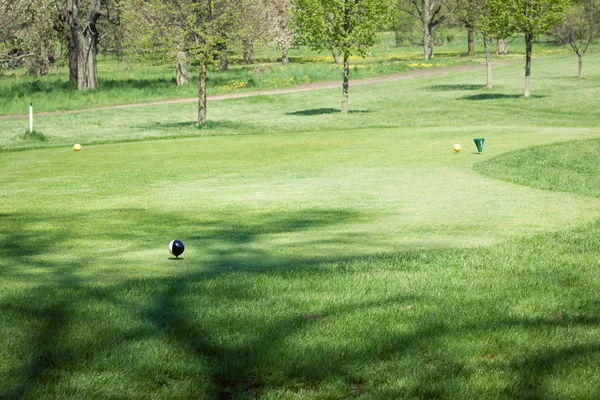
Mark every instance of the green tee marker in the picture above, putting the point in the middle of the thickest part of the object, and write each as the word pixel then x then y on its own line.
pixel 479 144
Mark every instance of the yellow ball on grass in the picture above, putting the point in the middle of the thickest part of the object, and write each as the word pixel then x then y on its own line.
pixel 457 148
pixel 77 147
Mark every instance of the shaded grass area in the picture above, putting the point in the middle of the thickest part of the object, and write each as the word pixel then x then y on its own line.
pixel 513 320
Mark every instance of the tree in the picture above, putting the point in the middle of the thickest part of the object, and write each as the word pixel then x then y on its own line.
pixel 501 46
pixel 431 13
pixel 155 34
pixel 403 26
pixel 200 28
pixel 579 28
pixel 532 18
pixel 493 21
pixel 348 26
pixel 41 23
pixel 27 35
pixel 279 15
pixel 253 28
pixel 467 12
pixel 83 18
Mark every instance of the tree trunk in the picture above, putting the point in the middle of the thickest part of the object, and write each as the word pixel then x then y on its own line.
pixel 72 63
pixel 181 75
pixel 427 43
pixel 223 60
pixel 85 47
pixel 580 60
pixel 528 50
pixel 39 64
pixel 471 41
pixel 501 47
pixel 285 57
pixel 337 58
pixel 398 37
pixel 85 42
pixel 345 84
pixel 202 94
pixel 427 31
pixel 248 51
pixel 488 62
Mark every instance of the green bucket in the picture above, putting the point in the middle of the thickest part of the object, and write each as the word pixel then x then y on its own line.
pixel 479 144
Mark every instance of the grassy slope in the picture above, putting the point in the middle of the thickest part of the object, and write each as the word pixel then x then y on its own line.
pixel 321 262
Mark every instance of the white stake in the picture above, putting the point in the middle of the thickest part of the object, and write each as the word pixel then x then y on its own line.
pixel 30 117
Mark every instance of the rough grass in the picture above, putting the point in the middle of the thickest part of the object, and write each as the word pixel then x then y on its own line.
pixel 326 257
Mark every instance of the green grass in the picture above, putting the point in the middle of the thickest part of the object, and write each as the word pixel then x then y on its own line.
pixel 121 83
pixel 327 256
pixel 456 102
pixel 127 83
pixel 564 167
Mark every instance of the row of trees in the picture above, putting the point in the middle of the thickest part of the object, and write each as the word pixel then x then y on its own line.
pixel 177 31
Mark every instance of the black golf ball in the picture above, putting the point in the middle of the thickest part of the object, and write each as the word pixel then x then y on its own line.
pixel 176 247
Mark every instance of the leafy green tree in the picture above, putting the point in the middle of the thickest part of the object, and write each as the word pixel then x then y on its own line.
pixel 254 26
pixel 431 13
pixel 532 18
pixel 163 29
pixel 467 14
pixel 154 34
pixel 27 34
pixel 403 25
pixel 349 26
pixel 579 28
pixel 494 22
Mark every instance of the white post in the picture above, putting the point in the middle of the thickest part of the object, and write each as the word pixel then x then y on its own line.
pixel 30 117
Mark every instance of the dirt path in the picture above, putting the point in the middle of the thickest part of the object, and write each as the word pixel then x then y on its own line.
pixel 302 88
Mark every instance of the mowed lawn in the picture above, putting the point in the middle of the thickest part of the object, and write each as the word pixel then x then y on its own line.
pixel 327 256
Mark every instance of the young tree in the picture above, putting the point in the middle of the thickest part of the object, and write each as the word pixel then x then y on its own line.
pixel 199 28
pixel 403 25
pixel 431 13
pixel 533 18
pixel 154 34
pixel 254 26
pixel 493 21
pixel 579 28
pixel 501 46
pixel 467 13
pixel 279 15
pixel 346 25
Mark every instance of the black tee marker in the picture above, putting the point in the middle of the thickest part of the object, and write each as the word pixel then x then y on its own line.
pixel 176 247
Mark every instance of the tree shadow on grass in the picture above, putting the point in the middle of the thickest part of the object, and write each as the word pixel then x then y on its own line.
pixel 54 86
pixel 217 329
pixel 322 111
pixel 127 84
pixel 452 88
pixel 167 126
pixel 497 96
